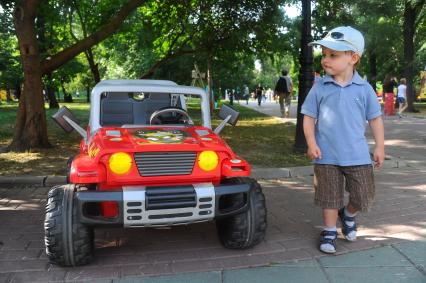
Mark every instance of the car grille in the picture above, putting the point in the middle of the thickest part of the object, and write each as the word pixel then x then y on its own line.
pixel 165 163
pixel 167 198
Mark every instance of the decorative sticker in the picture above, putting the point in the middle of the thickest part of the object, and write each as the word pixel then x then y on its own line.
pixel 115 139
pixel 160 136
pixel 93 150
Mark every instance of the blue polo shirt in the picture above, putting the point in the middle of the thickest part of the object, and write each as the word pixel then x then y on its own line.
pixel 341 114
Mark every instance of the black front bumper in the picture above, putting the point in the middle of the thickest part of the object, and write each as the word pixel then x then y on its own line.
pixel 174 203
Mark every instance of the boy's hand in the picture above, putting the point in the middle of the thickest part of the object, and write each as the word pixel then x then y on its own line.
pixel 379 157
pixel 314 152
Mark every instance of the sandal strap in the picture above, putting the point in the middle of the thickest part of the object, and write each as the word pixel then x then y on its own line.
pixel 346 229
pixel 328 237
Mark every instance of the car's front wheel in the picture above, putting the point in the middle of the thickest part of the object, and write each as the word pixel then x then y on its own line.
pixel 68 242
pixel 247 229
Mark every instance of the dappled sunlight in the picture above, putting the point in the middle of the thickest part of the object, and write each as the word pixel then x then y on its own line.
pixel 264 121
pixel 414 231
pixel 39 163
pixel 20 157
pixel 404 143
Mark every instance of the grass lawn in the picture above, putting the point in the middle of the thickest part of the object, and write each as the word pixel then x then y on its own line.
pixel 261 140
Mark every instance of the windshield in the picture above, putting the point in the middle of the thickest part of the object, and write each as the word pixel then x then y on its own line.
pixel 137 108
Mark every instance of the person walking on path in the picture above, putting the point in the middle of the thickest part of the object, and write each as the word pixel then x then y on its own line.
pixel 246 94
pixel 335 113
pixel 284 89
pixel 231 96
pixel 402 97
pixel 259 93
pixel 389 83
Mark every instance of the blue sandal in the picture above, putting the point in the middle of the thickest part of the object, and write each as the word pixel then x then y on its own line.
pixel 328 237
pixel 346 229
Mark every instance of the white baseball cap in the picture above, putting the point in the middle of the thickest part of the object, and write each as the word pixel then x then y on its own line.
pixel 342 39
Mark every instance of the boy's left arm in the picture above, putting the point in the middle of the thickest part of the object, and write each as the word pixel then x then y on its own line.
pixel 377 128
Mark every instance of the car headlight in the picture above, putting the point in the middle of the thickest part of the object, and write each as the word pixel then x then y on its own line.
pixel 208 160
pixel 120 163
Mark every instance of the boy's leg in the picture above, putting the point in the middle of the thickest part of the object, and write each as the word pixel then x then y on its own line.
pixel 330 216
pixel 328 183
pixel 329 234
pixel 360 185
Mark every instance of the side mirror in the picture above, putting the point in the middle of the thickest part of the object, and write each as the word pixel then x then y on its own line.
pixel 229 115
pixel 226 111
pixel 67 121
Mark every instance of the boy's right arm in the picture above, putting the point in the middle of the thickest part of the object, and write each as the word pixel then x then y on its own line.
pixel 314 151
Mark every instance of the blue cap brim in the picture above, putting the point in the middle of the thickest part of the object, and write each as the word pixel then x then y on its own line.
pixel 334 45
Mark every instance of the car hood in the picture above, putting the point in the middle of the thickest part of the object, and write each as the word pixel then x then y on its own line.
pixel 154 138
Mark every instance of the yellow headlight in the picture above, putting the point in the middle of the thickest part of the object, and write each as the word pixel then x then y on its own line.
pixel 208 160
pixel 120 163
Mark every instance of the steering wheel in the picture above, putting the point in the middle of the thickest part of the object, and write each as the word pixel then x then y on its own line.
pixel 176 116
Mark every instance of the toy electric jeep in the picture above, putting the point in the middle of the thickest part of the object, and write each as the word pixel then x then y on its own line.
pixel 144 163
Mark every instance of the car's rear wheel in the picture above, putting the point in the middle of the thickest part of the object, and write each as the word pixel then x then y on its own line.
pixel 247 229
pixel 68 242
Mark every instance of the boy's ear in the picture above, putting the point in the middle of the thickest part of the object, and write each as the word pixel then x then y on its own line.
pixel 355 58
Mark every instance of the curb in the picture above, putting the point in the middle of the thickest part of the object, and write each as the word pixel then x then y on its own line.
pixel 257 173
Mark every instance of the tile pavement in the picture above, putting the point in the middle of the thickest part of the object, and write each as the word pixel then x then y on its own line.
pixel 399 215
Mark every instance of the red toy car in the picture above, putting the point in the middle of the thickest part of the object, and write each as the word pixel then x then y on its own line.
pixel 144 162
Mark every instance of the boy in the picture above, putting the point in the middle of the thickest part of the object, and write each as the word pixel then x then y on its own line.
pixel 336 110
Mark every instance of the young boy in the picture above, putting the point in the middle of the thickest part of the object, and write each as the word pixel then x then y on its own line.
pixel 336 110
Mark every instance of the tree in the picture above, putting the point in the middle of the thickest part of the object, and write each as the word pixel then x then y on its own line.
pixel 412 17
pixel 31 128
pixel 305 74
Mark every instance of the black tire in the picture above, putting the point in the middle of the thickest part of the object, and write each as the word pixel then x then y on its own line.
pixel 68 242
pixel 247 229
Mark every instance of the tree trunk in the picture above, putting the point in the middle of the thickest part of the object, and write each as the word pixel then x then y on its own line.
pixel 50 91
pixel 306 77
pixel 18 90
pixel 8 96
pixel 31 127
pixel 93 66
pixel 372 60
pixel 408 35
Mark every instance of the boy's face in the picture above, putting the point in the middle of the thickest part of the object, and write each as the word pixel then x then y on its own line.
pixel 338 62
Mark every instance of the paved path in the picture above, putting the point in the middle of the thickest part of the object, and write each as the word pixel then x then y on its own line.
pixel 391 245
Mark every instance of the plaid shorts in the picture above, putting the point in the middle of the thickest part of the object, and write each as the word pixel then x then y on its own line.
pixel 330 181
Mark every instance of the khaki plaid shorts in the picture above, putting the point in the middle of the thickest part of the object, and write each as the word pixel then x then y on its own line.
pixel 330 181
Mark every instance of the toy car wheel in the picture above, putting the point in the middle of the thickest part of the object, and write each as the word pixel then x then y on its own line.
pixel 247 229
pixel 68 243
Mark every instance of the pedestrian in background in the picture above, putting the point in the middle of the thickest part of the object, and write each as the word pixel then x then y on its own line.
pixel 231 96
pixel 402 97
pixel 335 114
pixel 259 94
pixel 246 94
pixel 283 89
pixel 389 83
